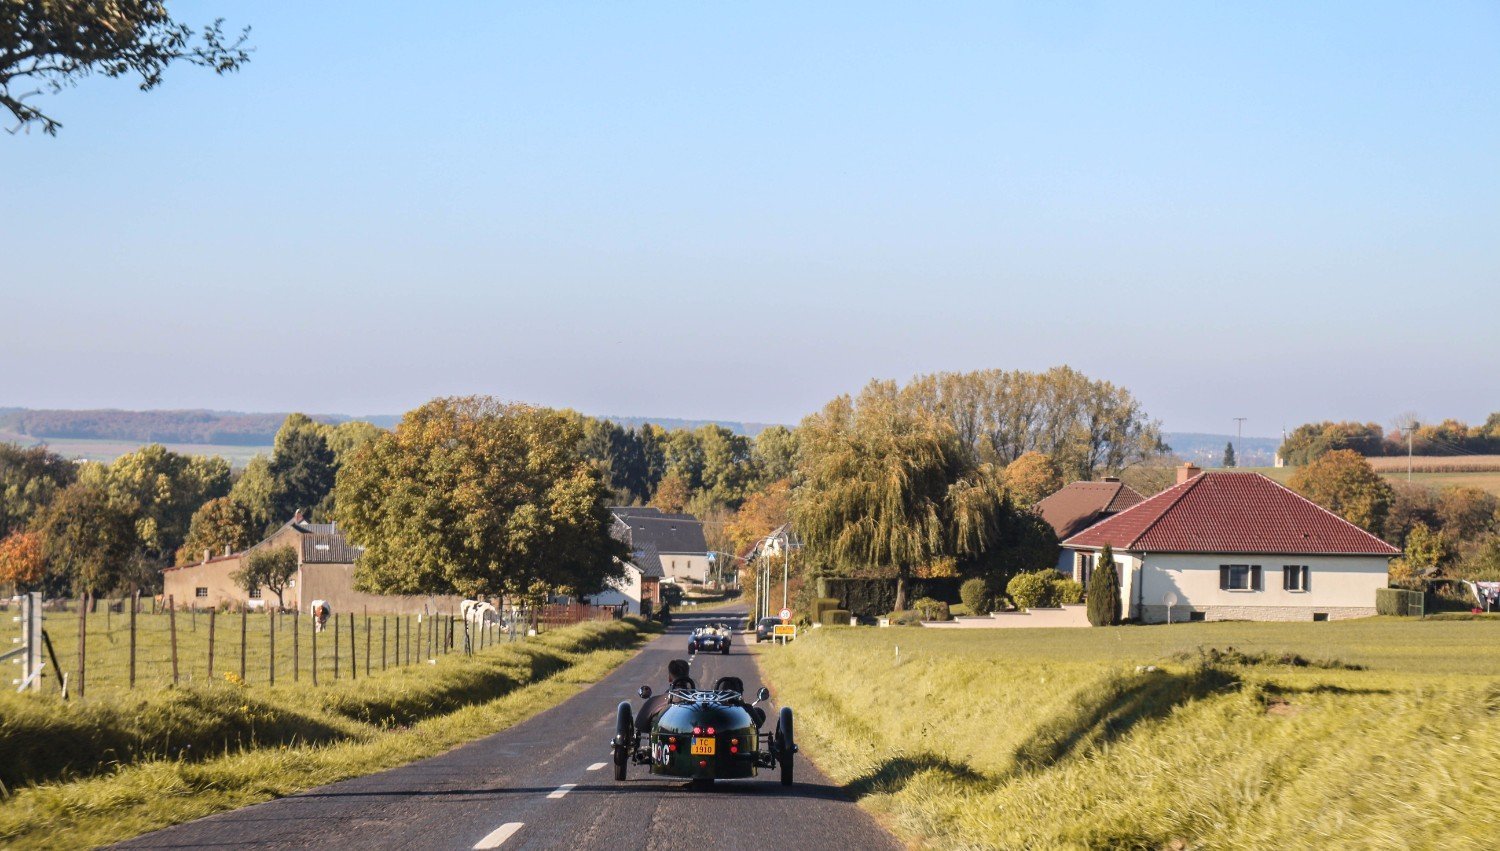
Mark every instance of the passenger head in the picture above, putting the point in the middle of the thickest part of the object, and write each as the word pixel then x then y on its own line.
pixel 677 669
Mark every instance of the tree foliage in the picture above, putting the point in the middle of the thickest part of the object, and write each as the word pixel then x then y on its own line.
pixel 763 513
pixel 888 486
pixel 474 496
pixel 1228 455
pixel 220 523
pixel 302 467
pixel 1343 482
pixel 672 494
pixel 21 559
pixel 160 490
pixel 270 568
pixel 47 45
pixel 29 479
pixel 1103 593
pixel 1032 478
pixel 87 538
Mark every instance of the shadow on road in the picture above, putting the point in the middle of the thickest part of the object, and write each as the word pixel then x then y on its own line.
pixel 750 788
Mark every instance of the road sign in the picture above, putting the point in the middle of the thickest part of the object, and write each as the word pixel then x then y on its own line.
pixel 786 614
pixel 784 632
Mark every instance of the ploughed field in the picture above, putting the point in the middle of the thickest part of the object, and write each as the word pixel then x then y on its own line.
pixel 1375 733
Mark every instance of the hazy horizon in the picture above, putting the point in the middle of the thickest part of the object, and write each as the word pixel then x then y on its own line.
pixel 1285 213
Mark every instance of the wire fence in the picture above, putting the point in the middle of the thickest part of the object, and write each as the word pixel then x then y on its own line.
pixel 115 645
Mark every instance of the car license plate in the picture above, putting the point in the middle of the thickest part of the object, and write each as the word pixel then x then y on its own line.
pixel 703 747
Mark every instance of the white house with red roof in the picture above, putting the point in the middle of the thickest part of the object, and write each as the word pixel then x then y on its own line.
pixel 1236 546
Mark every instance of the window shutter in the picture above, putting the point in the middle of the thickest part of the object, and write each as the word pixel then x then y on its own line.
pixel 1223 577
pixel 1255 577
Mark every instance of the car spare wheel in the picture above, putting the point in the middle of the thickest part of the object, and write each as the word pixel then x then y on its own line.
pixel 624 738
pixel 786 744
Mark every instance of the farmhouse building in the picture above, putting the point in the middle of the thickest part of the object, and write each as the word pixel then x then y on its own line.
pixel 639 590
pixel 325 571
pixel 1081 505
pixel 678 539
pixel 1235 546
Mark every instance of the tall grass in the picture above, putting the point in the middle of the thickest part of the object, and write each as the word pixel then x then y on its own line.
pixel 1131 737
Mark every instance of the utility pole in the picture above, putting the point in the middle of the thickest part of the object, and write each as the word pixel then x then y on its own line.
pixel 1239 427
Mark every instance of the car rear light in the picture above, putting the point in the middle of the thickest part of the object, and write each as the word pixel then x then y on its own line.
pixel 702 763
pixel 672 748
pixel 734 741
pixel 697 731
pixel 672 739
pixel 733 749
pixel 710 731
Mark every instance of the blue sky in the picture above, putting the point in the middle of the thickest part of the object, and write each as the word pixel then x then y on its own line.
pixel 1282 212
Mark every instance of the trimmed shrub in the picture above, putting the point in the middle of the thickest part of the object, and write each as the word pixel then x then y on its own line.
pixel 835 617
pixel 907 618
pixel 1066 592
pixel 959 610
pixel 1030 590
pixel 870 597
pixel 932 610
pixel 1104 591
pixel 821 605
pixel 976 595
pixel 1398 601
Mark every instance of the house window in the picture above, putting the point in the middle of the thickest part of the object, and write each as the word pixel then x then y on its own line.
pixel 1085 568
pixel 1320 617
pixel 255 593
pixel 1294 577
pixel 200 591
pixel 1197 616
pixel 1239 577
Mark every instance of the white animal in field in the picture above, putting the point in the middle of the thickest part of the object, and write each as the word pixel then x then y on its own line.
pixel 321 612
pixel 478 612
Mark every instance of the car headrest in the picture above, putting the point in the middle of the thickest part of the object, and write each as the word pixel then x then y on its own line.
pixel 685 684
pixel 734 684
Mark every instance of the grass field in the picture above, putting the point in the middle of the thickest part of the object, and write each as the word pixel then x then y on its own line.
pixel 109 450
pixel 1058 739
pixel 85 773
pixel 1488 480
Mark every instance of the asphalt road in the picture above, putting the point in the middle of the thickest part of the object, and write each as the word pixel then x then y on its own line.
pixel 546 783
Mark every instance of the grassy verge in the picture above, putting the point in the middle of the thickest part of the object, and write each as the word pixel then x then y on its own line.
pixel 1371 734
pixel 362 727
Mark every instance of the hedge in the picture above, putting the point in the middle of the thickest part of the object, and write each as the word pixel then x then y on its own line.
pixel 835 617
pixel 875 597
pixel 932 610
pixel 821 605
pixel 1398 601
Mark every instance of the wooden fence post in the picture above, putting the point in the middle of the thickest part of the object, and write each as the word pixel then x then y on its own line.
pixel 213 617
pixel 83 638
pixel 314 622
pixel 244 633
pixel 271 620
pixel 296 645
pixel 353 655
pixel 172 625
pixel 335 621
pixel 383 629
pixel 135 596
pixel 367 643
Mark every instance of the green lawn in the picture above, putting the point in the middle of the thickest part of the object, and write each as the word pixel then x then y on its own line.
pixel 1059 739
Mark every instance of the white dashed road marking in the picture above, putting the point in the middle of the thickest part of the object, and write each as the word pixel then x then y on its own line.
pixel 562 790
pixel 598 765
pixel 498 836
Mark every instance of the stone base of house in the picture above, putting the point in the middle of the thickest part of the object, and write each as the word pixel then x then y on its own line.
pixel 1066 616
pixel 1158 614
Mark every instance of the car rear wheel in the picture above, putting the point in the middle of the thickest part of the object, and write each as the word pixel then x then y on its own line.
pixel 786 744
pixel 624 738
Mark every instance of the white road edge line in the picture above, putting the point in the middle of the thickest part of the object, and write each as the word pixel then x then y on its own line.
pixel 498 836
pixel 598 765
pixel 562 790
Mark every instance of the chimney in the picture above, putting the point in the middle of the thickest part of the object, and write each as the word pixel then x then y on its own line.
pixel 226 550
pixel 297 517
pixel 205 556
pixel 1187 471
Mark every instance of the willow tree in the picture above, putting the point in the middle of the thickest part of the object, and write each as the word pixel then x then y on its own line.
pixel 888 486
pixel 477 497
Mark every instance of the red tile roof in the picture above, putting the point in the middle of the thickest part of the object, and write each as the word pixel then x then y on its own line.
pixel 1231 513
pixel 1081 504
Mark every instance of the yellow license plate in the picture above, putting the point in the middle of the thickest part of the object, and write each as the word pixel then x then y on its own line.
pixel 703 747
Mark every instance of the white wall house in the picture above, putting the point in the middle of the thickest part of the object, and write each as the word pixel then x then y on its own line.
pixel 1236 546
pixel 677 538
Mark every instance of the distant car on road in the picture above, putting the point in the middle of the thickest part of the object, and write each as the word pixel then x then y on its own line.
pixel 765 629
pixel 710 639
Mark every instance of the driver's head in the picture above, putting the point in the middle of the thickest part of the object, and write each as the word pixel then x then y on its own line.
pixel 677 669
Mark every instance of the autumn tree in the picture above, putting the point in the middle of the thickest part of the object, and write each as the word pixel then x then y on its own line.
pixel 160 490
pixel 21 560
pixel 1309 442
pixel 888 486
pixel 49 45
pixel 254 489
pixel 1427 549
pixel 478 497
pixel 1032 478
pixel 271 569
pixel 1343 482
pixel 29 479
pixel 302 467
pixel 87 539
pixel 220 523
pixel 775 454
pixel 1466 514
pixel 763 512
pixel 672 494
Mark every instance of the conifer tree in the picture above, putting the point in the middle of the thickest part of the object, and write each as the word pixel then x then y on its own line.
pixel 1228 455
pixel 1104 591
